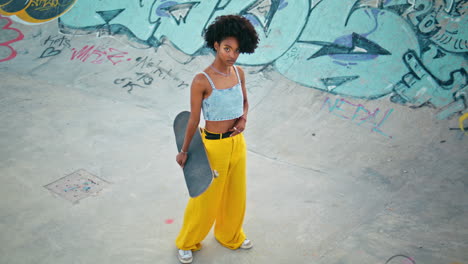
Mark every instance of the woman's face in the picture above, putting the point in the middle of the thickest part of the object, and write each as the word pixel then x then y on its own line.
pixel 228 50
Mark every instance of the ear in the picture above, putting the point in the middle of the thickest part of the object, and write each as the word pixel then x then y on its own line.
pixel 216 45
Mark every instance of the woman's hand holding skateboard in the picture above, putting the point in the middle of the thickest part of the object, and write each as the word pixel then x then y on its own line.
pixel 181 158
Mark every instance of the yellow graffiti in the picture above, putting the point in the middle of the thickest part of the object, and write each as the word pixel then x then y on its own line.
pixel 460 122
pixel 45 3
pixel 36 11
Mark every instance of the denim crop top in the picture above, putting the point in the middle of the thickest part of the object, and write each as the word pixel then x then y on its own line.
pixel 223 104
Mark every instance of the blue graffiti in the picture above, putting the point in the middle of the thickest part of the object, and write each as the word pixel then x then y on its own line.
pixel 362 45
pixel 413 51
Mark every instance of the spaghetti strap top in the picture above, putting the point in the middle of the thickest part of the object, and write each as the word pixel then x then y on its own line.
pixel 223 104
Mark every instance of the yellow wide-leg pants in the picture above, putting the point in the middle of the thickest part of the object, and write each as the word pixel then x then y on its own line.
pixel 223 202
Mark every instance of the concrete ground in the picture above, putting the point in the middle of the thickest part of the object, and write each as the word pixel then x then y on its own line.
pixel 305 213
pixel 321 189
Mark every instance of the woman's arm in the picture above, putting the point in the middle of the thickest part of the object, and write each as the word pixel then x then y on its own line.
pixel 196 97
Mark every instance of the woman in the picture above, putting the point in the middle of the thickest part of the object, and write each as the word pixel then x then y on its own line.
pixel 220 93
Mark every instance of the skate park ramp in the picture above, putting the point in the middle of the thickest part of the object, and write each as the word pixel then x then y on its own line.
pixel 357 130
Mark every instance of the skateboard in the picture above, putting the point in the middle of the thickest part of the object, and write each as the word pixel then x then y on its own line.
pixel 197 170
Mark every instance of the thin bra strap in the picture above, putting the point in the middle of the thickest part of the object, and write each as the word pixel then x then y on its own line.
pixel 209 79
pixel 237 73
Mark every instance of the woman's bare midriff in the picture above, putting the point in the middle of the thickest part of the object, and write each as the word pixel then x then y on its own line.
pixel 220 126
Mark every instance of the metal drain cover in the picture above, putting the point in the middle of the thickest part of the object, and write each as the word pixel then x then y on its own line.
pixel 77 185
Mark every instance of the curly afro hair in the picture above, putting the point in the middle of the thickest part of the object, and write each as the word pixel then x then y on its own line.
pixel 232 26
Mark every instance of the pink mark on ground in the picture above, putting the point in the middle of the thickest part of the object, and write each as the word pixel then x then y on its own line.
pixel 129 59
pixel 7 44
pixel 169 221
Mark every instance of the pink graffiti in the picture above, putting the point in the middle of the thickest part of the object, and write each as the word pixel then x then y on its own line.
pixel 7 44
pixel 100 56
pixel 358 114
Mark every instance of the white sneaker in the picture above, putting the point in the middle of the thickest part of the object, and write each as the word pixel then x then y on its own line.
pixel 185 256
pixel 246 244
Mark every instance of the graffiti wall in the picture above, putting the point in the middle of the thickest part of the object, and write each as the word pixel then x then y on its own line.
pixel 409 52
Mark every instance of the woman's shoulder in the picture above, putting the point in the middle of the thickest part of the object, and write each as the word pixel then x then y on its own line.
pixel 200 80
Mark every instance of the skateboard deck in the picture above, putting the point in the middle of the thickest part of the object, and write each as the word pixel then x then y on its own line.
pixel 197 170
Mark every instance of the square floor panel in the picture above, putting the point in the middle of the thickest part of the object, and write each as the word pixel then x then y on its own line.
pixel 77 185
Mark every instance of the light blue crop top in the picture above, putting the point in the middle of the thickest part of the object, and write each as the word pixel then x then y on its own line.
pixel 223 104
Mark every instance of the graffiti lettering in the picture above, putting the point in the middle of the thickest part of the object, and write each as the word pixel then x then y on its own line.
pixel 358 114
pixel 114 53
pixel 128 83
pixel 148 72
pixel 145 77
pixel 9 36
pixel 100 55
pixel 57 41
pixel 142 80
pixel 36 11
pixel 83 54
pixel 44 3
pixel 55 44
pixel 148 64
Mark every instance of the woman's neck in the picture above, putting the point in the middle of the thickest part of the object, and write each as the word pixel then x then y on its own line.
pixel 221 66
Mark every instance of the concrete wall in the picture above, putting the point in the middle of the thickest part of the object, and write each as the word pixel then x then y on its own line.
pixel 409 52
pixel 373 67
pixel 392 53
